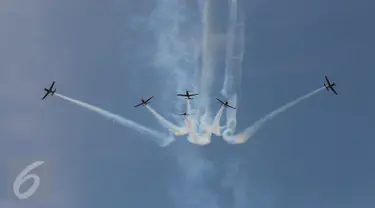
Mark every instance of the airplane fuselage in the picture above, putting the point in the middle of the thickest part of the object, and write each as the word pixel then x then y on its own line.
pixel 329 85
pixel 187 95
pixel 144 102
pixel 50 91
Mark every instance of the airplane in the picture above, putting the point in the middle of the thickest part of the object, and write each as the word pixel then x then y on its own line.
pixel 329 85
pixel 144 103
pixel 48 91
pixel 183 114
pixel 225 103
pixel 188 95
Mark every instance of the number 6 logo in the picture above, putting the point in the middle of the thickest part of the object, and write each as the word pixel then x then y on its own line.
pixel 23 177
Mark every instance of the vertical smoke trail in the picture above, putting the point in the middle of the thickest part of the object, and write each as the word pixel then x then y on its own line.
pixel 179 39
pixel 188 106
pixel 192 120
pixel 178 46
pixel 250 131
pixel 235 50
pixel 207 71
pixel 163 139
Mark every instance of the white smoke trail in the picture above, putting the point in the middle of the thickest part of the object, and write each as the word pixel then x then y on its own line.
pixel 163 139
pixel 234 56
pixel 234 50
pixel 207 75
pixel 178 46
pixel 178 33
pixel 231 117
pixel 250 131
pixel 203 137
pixel 202 125
pixel 192 119
pixel 178 131
pixel 194 137
pixel 215 127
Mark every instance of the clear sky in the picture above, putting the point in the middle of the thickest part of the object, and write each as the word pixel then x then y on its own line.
pixel 110 53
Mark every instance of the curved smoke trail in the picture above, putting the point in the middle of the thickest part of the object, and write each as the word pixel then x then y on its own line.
pixel 163 139
pixel 215 127
pixel 178 131
pixel 250 131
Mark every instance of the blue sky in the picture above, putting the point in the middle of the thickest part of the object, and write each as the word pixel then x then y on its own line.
pixel 109 53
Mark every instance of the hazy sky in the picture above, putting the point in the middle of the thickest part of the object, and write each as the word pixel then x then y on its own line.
pixel 110 53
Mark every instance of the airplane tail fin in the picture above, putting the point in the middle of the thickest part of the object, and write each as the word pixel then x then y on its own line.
pixel 326 87
pixel 53 92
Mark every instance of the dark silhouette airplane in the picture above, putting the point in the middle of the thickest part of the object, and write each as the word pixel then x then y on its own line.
pixel 187 95
pixel 144 102
pixel 225 103
pixel 183 114
pixel 329 85
pixel 48 91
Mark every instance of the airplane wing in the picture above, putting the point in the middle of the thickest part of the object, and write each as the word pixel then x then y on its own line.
pixel 149 99
pixel 194 94
pixel 231 106
pixel 327 80
pixel 53 83
pixel 220 101
pixel 183 95
pixel 45 95
pixel 333 90
pixel 138 105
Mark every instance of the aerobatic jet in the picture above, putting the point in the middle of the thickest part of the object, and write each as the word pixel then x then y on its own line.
pixel 329 85
pixel 225 103
pixel 144 102
pixel 183 114
pixel 187 95
pixel 50 90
